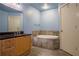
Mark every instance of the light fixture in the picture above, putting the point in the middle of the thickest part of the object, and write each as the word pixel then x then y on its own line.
pixel 18 5
pixel 45 6
pixel 30 13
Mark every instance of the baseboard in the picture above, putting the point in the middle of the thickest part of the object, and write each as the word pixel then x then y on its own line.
pixel 66 52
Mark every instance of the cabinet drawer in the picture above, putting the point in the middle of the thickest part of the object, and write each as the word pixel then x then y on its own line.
pixel 8 43
pixel 5 43
pixel 9 52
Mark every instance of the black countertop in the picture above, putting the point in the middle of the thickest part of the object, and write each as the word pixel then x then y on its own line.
pixel 2 37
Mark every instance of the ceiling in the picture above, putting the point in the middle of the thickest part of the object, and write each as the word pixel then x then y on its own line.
pixel 39 6
pixel 8 9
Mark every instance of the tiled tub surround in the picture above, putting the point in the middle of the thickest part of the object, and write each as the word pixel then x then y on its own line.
pixel 46 41
pixel 35 33
pixel 43 42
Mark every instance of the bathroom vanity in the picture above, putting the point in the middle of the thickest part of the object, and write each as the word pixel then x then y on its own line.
pixel 15 45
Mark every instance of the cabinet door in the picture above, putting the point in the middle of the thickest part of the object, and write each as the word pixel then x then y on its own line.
pixel 8 47
pixel 23 44
pixel 8 51
pixel 29 42
pixel 19 49
pixel 0 47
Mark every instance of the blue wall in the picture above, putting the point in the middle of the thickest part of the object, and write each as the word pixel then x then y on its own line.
pixel 3 21
pixel 50 20
pixel 31 17
pixel 47 20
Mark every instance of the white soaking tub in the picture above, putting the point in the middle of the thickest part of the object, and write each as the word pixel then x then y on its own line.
pixel 47 37
pixel 46 41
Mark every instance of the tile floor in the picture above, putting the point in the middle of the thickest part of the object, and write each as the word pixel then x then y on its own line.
pixel 36 51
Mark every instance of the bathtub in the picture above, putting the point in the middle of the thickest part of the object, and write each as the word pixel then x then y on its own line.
pixel 47 37
pixel 46 41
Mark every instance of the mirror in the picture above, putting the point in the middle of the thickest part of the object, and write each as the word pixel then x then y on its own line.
pixel 10 22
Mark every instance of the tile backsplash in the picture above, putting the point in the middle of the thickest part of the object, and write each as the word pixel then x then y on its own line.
pixel 34 33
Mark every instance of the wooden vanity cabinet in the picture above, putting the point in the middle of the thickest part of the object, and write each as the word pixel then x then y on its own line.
pixel 20 45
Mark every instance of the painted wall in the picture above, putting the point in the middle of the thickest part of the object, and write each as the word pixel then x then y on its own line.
pixel 31 17
pixel 50 20
pixel 3 21
pixel 33 20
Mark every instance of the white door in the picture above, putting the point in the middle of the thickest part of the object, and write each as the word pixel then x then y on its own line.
pixel 14 23
pixel 68 41
pixel 77 26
